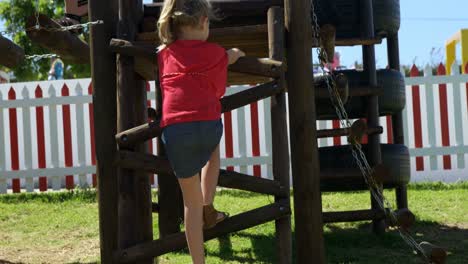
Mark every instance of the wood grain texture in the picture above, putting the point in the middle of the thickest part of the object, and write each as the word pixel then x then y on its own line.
pixel 303 138
pixel 103 71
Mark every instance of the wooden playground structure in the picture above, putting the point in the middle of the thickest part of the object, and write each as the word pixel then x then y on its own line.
pixel 277 36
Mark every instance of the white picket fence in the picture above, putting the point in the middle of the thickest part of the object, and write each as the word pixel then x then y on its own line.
pixel 245 146
pixel 438 137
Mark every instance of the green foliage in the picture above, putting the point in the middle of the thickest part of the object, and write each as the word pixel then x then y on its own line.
pixel 15 13
pixel 79 195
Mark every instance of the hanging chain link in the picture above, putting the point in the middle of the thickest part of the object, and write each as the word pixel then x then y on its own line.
pixel 41 56
pixel 356 147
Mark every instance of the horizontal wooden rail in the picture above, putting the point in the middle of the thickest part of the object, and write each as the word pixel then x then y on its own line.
pixel 352 216
pixel 132 48
pixel 227 9
pixel 228 179
pixel 142 161
pixel 260 67
pixel 248 69
pixel 148 131
pixel 321 86
pixel 239 181
pixel 177 241
pixel 249 96
pixel 12 54
pixel 138 134
pixel 68 46
pixel 340 132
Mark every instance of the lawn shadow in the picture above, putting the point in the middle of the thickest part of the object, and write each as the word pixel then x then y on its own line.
pixel 357 244
pixel 2 261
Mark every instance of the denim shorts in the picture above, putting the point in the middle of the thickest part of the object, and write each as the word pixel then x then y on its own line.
pixel 189 145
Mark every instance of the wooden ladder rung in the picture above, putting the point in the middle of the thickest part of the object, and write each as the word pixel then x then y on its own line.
pixel 352 216
pixel 239 181
pixel 142 161
pixel 321 86
pixel 259 67
pixel 151 130
pixel 251 95
pixel 177 241
pixel 139 134
pixel 340 132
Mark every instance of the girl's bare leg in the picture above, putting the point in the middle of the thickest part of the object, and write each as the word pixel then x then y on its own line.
pixel 193 203
pixel 209 177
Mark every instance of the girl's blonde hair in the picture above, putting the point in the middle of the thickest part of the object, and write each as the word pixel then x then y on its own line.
pixel 179 13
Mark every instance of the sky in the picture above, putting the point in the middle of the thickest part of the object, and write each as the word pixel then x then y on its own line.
pixel 425 24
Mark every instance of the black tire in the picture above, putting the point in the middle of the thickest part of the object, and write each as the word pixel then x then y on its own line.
pixel 394 156
pixel 345 15
pixel 393 99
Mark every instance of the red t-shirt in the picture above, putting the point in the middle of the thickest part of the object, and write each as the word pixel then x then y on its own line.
pixel 193 77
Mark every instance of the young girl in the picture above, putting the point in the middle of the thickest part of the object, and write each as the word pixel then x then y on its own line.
pixel 193 76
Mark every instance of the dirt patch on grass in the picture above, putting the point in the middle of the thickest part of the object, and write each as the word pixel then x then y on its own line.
pixel 76 251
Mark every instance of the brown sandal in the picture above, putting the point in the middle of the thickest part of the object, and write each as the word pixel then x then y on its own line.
pixel 210 216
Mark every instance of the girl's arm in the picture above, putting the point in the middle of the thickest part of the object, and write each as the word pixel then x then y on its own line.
pixel 234 54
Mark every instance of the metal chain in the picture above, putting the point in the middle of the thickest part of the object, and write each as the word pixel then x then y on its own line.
pixel 356 147
pixel 41 56
pixel 37 57
pixel 73 27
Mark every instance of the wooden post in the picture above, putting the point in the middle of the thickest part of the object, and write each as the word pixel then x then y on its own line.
pixel 393 52
pixel 374 154
pixel 12 54
pixel 280 135
pixel 170 199
pixel 105 121
pixel 135 208
pixel 303 138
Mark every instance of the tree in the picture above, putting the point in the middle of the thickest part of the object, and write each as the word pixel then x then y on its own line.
pixel 15 13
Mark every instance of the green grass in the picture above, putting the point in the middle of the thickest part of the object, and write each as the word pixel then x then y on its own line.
pixel 63 228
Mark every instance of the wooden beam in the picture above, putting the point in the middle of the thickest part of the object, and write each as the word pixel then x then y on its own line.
pixel 279 135
pixel 135 205
pixel 249 69
pixel 12 54
pixel 253 39
pixel 65 44
pixel 228 179
pixel 178 241
pixel 130 137
pixel 249 96
pixel 150 130
pixel 239 181
pixel 260 67
pixel 303 138
pixel 132 48
pixel 341 132
pixel 103 73
pixel 142 161
pixel 352 216
pixel 321 86
pixel 374 155
pixel 145 132
pixel 227 9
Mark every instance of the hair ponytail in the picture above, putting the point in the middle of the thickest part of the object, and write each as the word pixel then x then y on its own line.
pixel 178 13
pixel 165 32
